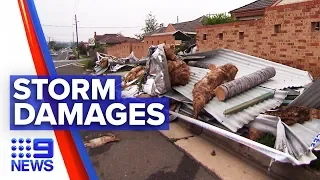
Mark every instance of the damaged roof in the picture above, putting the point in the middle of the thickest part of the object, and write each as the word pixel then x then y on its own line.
pixel 285 76
pixel 293 140
pixel 186 27
pixel 310 97
pixel 216 107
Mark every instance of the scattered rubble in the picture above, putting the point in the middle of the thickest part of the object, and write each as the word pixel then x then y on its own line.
pixel 213 153
pixel 97 142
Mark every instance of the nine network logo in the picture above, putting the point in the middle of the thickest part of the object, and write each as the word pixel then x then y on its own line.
pixel 32 155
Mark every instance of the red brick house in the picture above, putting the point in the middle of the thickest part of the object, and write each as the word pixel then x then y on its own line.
pixel 112 39
pixel 256 9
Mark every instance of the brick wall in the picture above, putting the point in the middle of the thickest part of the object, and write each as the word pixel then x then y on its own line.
pixel 119 50
pixel 294 44
pixel 140 49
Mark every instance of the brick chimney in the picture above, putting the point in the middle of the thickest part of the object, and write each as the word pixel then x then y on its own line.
pixel 95 34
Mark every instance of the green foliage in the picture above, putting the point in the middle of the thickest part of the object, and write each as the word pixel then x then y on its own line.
pixel 89 64
pixel 150 26
pixel 57 47
pixel 217 19
pixel 268 140
pixel 150 23
pixel 139 36
pixel 82 48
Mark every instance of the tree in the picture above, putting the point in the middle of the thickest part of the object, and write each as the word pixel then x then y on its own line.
pixel 217 19
pixel 150 25
pixel 51 44
pixel 82 48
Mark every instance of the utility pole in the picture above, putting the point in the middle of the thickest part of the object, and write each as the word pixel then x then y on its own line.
pixel 177 19
pixel 72 38
pixel 75 16
pixel 49 42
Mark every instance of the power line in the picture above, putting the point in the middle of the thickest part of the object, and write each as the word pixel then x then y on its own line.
pixel 105 27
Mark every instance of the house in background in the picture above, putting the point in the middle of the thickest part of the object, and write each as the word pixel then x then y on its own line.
pixel 112 39
pixel 252 11
pixel 256 9
pixel 177 33
pixel 183 33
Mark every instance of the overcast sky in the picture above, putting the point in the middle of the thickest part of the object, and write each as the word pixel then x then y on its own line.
pixel 125 16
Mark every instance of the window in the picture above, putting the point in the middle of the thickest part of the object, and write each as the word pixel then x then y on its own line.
pixel 152 42
pixel 277 28
pixel 204 37
pixel 315 26
pixel 241 35
pixel 158 42
pixel 147 42
pixel 221 36
pixel 165 42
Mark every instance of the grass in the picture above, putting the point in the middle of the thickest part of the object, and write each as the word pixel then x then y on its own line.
pixel 268 140
pixel 88 64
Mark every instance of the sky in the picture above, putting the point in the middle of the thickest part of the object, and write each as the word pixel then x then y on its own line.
pixel 120 16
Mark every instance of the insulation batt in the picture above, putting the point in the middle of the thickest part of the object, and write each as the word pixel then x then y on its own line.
pixel 134 73
pixel 255 134
pixel 97 142
pixel 169 51
pixel 295 114
pixel 203 90
pixel 179 73
pixel 178 70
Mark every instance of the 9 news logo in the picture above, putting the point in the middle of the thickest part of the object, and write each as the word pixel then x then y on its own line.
pixel 32 155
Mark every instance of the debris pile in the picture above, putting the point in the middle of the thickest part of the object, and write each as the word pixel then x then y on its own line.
pixel 208 90
pixel 107 62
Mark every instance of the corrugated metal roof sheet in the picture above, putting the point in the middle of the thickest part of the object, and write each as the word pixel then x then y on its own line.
pixel 310 97
pixel 216 108
pixel 296 138
pixel 285 77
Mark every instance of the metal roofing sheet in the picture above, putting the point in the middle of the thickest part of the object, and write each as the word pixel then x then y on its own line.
pixel 285 76
pixel 296 138
pixel 216 108
pixel 310 97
